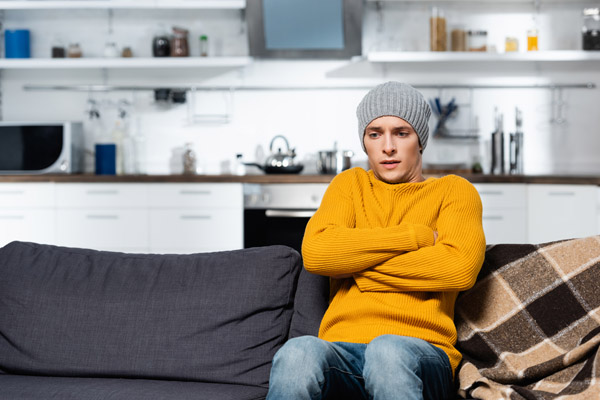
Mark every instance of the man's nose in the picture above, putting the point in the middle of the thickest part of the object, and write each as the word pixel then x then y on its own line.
pixel 389 147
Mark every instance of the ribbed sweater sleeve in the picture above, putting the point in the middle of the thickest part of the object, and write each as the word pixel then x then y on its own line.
pixel 333 246
pixel 452 264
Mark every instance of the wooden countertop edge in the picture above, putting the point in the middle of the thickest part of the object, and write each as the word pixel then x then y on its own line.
pixel 283 178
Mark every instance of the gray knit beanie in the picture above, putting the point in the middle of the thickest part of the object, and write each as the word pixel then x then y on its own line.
pixel 395 99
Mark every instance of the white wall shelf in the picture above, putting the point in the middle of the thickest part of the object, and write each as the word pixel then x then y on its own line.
pixel 124 63
pixel 532 2
pixel 123 4
pixel 467 56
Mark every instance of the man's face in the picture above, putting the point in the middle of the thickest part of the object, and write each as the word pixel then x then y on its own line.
pixel 393 149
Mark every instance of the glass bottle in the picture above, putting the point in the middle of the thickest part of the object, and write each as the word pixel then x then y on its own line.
pixel 591 29
pixel 203 46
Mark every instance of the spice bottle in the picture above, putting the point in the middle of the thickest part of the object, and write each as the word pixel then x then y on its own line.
pixel 437 30
pixel 203 46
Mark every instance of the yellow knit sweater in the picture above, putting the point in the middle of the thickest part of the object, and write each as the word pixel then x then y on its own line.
pixel 381 235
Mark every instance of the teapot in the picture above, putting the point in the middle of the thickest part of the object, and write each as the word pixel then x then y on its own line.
pixel 280 162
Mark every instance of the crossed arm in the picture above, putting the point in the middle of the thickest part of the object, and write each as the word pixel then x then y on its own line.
pixel 405 257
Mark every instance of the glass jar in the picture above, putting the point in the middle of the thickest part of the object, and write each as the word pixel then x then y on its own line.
pixel 591 29
pixel 532 39
pixel 127 52
pixel 111 50
pixel 74 51
pixel 437 30
pixel 180 46
pixel 161 46
pixel 458 39
pixel 477 40
pixel 511 44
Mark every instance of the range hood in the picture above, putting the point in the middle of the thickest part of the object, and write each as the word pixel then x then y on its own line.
pixel 304 28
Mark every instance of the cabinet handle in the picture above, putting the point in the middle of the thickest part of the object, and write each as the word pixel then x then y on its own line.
pixel 7 217
pixel 99 216
pixel 491 192
pixel 289 213
pixel 493 217
pixel 190 217
pixel 96 191
pixel 12 192
pixel 561 193
pixel 194 192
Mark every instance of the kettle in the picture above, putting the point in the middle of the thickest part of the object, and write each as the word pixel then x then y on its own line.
pixel 280 162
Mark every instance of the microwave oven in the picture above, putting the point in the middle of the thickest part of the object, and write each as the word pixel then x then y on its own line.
pixel 41 147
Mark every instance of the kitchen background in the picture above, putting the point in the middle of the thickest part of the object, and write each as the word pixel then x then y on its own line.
pixel 312 102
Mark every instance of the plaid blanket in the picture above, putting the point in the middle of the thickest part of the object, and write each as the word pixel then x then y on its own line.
pixel 530 327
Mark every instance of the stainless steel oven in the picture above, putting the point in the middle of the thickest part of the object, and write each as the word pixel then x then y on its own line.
pixel 278 213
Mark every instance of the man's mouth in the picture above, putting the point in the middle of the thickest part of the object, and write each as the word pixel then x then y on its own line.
pixel 389 163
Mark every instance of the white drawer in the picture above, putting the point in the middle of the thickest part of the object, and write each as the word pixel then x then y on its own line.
pixel 175 195
pixel 505 225
pixel 28 225
pixel 103 229
pixel 196 229
pixel 561 212
pixel 84 195
pixel 27 195
pixel 502 195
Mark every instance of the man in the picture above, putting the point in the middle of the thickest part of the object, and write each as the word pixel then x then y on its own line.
pixel 399 249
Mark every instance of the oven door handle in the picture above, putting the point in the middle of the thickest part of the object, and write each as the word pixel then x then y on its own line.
pixel 289 213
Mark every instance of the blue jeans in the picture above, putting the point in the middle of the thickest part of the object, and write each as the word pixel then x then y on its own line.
pixel 390 367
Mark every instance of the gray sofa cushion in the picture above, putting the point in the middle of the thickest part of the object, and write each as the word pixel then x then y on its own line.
pixel 310 304
pixel 212 317
pixel 39 387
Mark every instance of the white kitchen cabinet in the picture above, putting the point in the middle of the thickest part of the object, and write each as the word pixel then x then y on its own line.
pixel 193 218
pixel 27 212
pixel 504 212
pixel 558 212
pixel 102 216
pixel 103 229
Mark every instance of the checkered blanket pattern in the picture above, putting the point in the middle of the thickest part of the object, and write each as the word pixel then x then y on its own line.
pixel 530 327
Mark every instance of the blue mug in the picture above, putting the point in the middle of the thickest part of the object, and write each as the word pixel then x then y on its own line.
pixel 16 43
pixel 106 159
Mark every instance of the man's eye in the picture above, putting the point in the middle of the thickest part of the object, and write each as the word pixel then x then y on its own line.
pixel 373 135
pixel 402 133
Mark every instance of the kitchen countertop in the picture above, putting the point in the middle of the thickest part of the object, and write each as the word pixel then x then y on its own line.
pixel 283 178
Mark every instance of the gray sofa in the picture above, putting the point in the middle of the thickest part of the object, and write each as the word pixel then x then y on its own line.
pixel 85 324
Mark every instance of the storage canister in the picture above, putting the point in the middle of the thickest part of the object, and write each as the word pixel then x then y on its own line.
pixel 16 43
pixel 477 40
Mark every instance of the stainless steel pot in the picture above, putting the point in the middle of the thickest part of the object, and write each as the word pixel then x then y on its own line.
pixel 334 161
